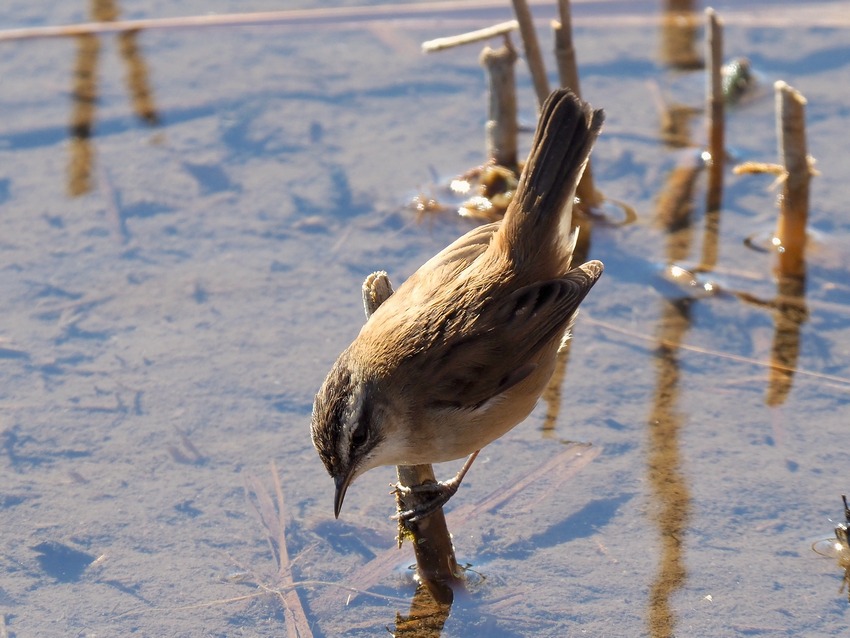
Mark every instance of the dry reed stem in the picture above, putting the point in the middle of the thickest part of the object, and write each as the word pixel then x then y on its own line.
pixel 824 15
pixel 274 520
pixel 714 108
pixel 565 54
pixel 501 127
pixel 794 201
pixel 470 37
pixel 679 27
pixel 532 50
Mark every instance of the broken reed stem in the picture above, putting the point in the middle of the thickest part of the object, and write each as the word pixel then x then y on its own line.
pixel 714 108
pixel 565 54
pixel 432 544
pixel 273 518
pixel 794 201
pixel 532 50
pixel 501 127
pixel 439 44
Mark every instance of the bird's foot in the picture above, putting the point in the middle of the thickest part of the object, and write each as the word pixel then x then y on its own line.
pixel 440 493
pixel 428 498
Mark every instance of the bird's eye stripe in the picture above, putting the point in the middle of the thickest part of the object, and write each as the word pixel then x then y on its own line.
pixel 360 434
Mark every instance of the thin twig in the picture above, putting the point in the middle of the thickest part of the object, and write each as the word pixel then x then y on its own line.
pixel 265 589
pixel 844 382
pixel 470 37
pixel 549 477
pixel 436 12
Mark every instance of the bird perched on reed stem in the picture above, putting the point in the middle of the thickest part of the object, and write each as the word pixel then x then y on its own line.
pixel 462 351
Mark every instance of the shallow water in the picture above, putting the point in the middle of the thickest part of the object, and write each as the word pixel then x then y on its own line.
pixel 174 293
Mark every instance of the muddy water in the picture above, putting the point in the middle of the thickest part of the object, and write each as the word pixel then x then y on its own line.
pixel 178 275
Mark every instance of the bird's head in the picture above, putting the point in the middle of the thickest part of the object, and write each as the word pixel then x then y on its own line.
pixel 348 427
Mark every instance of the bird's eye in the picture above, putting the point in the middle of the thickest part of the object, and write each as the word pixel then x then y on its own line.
pixel 360 435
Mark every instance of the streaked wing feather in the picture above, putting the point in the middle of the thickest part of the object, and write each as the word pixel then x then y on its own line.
pixel 461 252
pixel 479 365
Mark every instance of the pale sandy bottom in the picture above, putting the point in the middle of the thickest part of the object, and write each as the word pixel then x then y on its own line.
pixel 162 336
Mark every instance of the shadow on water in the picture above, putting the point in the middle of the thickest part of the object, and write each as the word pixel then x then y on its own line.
pixel 583 523
pixel 670 494
pixel 674 215
pixel 671 497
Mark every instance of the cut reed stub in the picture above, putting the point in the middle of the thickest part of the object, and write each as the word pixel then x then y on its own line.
pixel 790 238
pixel 715 108
pixel 501 127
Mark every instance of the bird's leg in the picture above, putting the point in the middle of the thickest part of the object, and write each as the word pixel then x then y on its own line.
pixel 441 491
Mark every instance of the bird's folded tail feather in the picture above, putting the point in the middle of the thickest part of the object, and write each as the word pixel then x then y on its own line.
pixel 542 204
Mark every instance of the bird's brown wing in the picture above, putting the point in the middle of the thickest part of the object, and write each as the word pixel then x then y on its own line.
pixel 400 330
pixel 460 253
pixel 479 364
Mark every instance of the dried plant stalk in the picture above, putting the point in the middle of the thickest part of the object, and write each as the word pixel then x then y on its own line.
pixel 794 202
pixel 273 518
pixel 532 50
pixel 501 128
pixel 439 44
pixel 714 108
pixel 565 54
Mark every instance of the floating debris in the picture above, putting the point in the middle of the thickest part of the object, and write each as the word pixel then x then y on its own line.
pixel 839 547
pixel 492 188
pixel 739 82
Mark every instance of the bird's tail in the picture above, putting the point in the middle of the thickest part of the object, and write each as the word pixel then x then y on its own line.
pixel 538 219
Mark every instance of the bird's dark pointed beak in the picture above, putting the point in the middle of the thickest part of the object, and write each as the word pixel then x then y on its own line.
pixel 342 482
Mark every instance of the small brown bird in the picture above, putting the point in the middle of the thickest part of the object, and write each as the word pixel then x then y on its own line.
pixel 462 351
